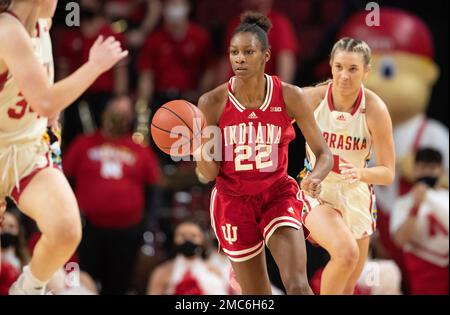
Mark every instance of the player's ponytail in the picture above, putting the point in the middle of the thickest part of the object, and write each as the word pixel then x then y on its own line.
pixel 4 5
pixel 257 24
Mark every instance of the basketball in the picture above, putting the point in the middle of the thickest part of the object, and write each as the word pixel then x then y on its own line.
pixel 176 127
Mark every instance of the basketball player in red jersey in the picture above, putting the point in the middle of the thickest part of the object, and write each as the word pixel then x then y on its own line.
pixel 353 120
pixel 254 202
pixel 27 97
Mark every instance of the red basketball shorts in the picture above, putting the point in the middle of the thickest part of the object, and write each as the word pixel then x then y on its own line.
pixel 243 224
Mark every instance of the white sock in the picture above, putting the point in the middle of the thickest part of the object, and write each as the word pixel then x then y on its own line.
pixel 30 284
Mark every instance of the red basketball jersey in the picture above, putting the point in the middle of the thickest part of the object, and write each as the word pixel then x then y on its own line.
pixel 254 142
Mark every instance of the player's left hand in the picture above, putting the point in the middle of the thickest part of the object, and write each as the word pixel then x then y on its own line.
pixel 350 172
pixel 311 186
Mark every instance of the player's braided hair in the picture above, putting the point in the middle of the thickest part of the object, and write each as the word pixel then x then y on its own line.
pixel 4 5
pixel 353 45
pixel 257 24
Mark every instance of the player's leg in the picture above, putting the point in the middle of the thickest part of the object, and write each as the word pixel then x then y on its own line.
pixel 49 200
pixel 252 275
pixel 329 230
pixel 363 245
pixel 287 246
pixel 234 224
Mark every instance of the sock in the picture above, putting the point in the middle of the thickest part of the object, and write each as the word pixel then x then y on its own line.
pixel 30 284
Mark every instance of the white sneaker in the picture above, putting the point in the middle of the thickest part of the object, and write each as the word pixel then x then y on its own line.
pixel 17 288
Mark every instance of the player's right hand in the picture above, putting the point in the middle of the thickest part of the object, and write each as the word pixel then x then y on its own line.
pixel 105 53
pixel 311 186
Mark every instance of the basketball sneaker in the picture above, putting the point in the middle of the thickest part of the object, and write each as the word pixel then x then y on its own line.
pixel 18 287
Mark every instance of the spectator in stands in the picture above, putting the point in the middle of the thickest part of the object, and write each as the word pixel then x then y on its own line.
pixel 175 61
pixel 141 17
pixel 112 176
pixel 419 224
pixel 189 272
pixel 72 50
pixel 12 238
pixel 14 253
pixel 282 38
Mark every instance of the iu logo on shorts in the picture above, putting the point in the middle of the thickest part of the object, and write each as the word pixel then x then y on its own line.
pixel 229 233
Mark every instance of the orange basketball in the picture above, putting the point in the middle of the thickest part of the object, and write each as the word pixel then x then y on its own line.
pixel 176 127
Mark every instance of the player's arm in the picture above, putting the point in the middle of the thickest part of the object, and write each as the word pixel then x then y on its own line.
pixel 315 94
pixel 380 127
pixel 53 121
pixel 2 209
pixel 211 105
pixel 298 105
pixel 45 98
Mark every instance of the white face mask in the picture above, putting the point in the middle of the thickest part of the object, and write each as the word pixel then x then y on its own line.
pixel 176 13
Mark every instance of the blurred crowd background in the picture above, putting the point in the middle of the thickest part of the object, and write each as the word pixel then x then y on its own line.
pixel 145 218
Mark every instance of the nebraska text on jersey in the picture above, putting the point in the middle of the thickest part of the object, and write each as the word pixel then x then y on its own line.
pixel 344 142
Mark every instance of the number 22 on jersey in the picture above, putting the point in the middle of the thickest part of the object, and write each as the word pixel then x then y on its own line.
pixel 243 153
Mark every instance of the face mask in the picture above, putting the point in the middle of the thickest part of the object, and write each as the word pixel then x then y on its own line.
pixel 8 239
pixel 176 13
pixel 430 181
pixel 188 249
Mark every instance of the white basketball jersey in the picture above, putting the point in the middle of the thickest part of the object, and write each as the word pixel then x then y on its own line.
pixel 18 123
pixel 430 240
pixel 346 134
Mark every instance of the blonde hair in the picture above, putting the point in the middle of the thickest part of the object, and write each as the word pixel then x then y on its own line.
pixel 353 45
